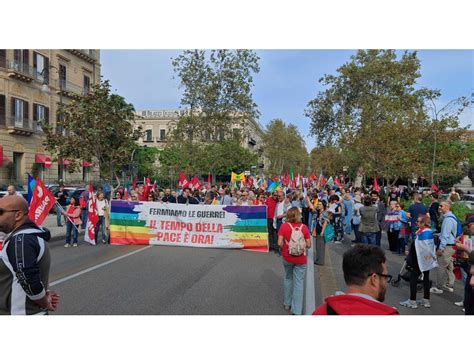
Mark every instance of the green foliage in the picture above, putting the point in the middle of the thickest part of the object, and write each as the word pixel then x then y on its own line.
pixel 220 158
pixel 146 159
pixel 99 127
pixel 216 92
pixel 285 148
pixel 373 113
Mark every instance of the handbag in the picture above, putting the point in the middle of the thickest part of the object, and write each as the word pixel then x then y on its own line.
pixel 328 234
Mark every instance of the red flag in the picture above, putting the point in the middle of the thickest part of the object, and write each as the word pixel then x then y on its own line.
pixel 194 184
pixel 183 181
pixel 92 218
pixel 209 181
pixel 376 185
pixel 147 188
pixel 337 181
pixel 434 188
pixel 134 184
pixel 41 202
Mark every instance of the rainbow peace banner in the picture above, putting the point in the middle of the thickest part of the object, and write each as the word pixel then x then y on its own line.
pixel 201 226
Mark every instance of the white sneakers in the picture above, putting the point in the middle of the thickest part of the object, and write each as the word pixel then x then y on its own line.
pixel 66 245
pixel 424 302
pixel 459 304
pixel 409 304
pixel 436 290
pixel 414 304
pixel 448 288
pixel 338 242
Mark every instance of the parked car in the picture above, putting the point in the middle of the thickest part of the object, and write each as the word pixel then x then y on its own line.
pixel 468 200
pixel 72 191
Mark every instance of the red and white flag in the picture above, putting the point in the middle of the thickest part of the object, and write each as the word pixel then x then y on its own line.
pixel 92 218
pixel 183 181
pixel 194 184
pixel 41 202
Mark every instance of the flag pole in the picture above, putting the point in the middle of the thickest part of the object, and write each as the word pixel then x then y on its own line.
pixel 65 214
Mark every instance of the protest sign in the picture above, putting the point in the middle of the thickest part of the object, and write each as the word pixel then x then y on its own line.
pixel 204 226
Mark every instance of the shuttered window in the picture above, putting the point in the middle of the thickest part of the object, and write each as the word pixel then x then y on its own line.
pixel 3 58
pixel 40 64
pixel 2 110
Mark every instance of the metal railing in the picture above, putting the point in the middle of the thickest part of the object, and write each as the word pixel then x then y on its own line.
pixel 66 86
pixel 22 68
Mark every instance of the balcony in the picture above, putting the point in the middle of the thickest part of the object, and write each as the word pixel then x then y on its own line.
pixel 20 71
pixel 69 89
pixel 88 55
pixel 20 126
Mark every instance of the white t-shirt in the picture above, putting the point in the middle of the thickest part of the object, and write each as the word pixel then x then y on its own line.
pixel 100 206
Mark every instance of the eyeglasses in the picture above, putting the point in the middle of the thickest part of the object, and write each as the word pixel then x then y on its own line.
pixel 388 277
pixel 2 211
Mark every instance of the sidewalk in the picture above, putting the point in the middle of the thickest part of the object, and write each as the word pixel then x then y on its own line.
pixel 58 232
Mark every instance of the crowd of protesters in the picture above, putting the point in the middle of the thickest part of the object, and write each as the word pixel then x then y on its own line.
pixel 326 214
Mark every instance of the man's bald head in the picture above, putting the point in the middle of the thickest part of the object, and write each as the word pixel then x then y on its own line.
pixel 13 212
pixel 14 202
pixel 11 190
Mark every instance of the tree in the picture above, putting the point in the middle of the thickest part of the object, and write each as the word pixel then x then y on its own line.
pixel 216 92
pixel 285 148
pixel 372 110
pixel 146 159
pixel 98 127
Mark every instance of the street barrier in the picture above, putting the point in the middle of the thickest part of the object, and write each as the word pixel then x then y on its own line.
pixel 202 226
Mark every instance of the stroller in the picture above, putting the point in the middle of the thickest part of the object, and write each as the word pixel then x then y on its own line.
pixel 404 274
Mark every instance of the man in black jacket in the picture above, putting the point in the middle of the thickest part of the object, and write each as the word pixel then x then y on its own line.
pixel 187 198
pixel 24 263
pixel 468 301
pixel 168 197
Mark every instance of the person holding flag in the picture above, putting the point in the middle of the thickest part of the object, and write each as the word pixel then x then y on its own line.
pixel 73 213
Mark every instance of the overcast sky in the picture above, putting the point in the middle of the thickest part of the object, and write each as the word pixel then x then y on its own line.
pixel 288 79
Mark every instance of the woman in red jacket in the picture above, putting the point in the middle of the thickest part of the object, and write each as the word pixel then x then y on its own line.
pixel 73 211
pixel 295 265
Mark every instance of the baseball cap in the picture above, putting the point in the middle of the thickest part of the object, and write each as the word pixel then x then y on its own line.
pixel 469 220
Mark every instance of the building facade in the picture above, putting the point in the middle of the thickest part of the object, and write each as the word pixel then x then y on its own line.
pixel 158 123
pixel 33 83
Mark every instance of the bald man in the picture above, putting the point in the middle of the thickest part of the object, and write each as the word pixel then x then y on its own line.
pixel 24 263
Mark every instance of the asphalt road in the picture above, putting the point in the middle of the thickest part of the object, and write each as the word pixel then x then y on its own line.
pixel 157 280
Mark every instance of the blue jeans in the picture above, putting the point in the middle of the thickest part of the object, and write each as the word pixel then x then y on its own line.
pixel 293 286
pixel 69 228
pixel 369 238
pixel 84 214
pixel 59 214
pixel 100 227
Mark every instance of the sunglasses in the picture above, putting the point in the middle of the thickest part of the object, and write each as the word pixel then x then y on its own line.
pixel 388 277
pixel 2 211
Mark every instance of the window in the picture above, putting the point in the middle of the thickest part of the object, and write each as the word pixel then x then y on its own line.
pixel 221 135
pixel 19 112
pixel 3 58
pixel 17 162
pixel 2 110
pixel 149 135
pixel 62 76
pixel 40 63
pixel 40 113
pixel 162 134
pixel 21 59
pixel 87 84
pixel 85 173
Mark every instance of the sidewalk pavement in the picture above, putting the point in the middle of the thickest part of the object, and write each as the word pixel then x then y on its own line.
pixel 58 232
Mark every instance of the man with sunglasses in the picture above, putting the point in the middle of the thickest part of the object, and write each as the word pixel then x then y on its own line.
pixel 24 263
pixel 366 276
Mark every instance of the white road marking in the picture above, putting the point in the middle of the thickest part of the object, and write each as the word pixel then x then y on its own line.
pixel 62 280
